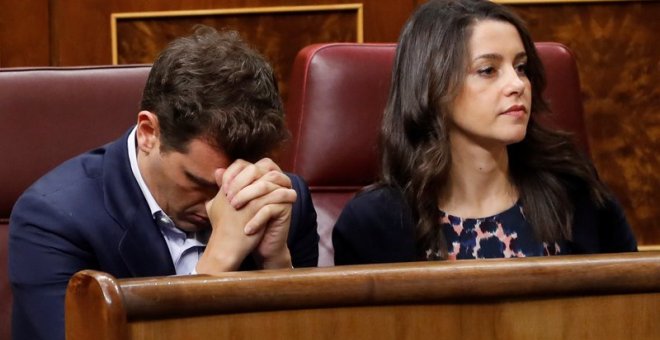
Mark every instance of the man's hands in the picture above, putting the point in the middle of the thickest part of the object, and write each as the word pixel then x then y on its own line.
pixel 250 214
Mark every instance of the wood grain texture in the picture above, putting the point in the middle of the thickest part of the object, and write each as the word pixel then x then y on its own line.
pixel 86 39
pixel 586 297
pixel 402 283
pixel 94 300
pixel 278 36
pixel 24 33
pixel 618 57
pixel 593 317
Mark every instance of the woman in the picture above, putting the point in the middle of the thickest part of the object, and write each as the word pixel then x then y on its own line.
pixel 467 172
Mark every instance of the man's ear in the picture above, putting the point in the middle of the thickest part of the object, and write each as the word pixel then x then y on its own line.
pixel 147 132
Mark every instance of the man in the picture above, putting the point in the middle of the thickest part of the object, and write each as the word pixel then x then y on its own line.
pixel 187 190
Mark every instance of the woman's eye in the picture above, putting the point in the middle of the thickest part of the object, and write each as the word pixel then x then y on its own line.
pixel 521 68
pixel 486 71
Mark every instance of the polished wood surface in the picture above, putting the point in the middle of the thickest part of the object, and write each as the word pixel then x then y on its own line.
pixel 81 31
pixel 98 308
pixel 24 33
pixel 595 297
pixel 592 317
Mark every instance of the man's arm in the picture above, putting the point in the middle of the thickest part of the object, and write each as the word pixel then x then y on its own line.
pixel 44 252
pixel 303 238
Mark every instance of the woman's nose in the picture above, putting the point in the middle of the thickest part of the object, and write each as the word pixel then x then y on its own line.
pixel 515 84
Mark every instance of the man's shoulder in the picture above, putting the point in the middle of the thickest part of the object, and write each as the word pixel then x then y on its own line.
pixel 79 170
pixel 74 173
pixel 76 182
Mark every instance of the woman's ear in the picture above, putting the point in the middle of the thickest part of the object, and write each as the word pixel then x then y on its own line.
pixel 147 132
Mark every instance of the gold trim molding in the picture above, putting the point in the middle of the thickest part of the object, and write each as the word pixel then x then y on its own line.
pixel 357 7
pixel 650 247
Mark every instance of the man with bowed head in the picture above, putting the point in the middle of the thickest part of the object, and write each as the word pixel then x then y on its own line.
pixel 187 190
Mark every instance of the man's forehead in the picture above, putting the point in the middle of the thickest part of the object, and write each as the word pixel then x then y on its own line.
pixel 199 180
pixel 200 161
pixel 202 150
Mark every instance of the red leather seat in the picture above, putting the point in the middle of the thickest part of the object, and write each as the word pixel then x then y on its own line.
pixel 336 99
pixel 48 115
pixel 563 91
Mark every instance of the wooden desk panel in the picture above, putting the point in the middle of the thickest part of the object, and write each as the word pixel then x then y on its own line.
pixel 595 317
pixel 582 297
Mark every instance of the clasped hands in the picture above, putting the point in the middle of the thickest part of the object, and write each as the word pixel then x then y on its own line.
pixel 250 214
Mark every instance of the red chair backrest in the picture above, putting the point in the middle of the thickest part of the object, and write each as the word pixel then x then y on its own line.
pixel 336 99
pixel 48 115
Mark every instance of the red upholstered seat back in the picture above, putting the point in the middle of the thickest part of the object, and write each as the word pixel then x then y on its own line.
pixel 337 96
pixel 336 99
pixel 563 91
pixel 48 115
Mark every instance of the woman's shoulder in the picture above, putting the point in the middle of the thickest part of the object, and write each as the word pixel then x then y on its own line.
pixel 599 227
pixel 374 227
pixel 375 206
pixel 378 195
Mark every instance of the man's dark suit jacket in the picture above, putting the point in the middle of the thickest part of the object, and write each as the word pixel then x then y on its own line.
pixel 89 213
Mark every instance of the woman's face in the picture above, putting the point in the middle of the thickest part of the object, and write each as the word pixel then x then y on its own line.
pixel 493 105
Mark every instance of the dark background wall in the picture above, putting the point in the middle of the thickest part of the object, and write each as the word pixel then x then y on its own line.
pixel 615 43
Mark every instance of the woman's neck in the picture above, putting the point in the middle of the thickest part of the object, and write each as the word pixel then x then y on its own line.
pixel 478 184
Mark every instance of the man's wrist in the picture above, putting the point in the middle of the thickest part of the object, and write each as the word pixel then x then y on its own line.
pixel 214 263
pixel 279 261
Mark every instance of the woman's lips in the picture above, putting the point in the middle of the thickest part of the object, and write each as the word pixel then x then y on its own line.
pixel 515 111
